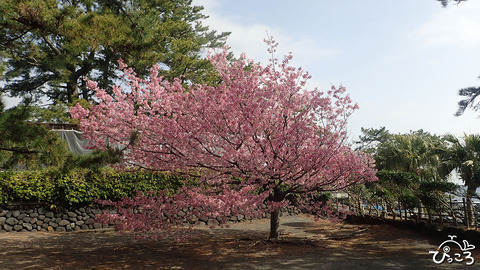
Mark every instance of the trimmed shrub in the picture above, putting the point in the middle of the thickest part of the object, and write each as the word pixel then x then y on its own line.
pixel 81 186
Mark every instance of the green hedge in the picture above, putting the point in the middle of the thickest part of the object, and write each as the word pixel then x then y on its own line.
pixel 80 186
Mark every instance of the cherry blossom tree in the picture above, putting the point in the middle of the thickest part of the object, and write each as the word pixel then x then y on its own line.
pixel 259 134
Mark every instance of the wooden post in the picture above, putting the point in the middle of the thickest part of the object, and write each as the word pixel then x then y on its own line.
pixel 453 212
pixel 475 216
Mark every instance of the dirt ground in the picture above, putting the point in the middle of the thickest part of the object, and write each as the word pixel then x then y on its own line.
pixel 304 244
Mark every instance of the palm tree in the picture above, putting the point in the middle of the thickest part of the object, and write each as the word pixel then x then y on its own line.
pixel 463 156
pixel 416 153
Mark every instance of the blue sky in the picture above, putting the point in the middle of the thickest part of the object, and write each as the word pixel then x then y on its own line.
pixel 401 61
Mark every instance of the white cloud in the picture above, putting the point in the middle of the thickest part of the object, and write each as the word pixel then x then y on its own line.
pixel 457 25
pixel 249 38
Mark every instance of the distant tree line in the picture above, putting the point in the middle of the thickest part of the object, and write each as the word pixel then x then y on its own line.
pixel 414 168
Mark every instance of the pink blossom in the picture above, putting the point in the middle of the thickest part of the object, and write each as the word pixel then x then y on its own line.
pixel 259 130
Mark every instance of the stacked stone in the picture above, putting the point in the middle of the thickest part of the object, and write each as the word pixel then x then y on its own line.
pixel 28 218
pixel 15 219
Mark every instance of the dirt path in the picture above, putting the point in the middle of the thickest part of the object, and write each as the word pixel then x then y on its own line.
pixel 304 244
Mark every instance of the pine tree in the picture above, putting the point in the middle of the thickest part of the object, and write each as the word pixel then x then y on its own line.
pixel 48 47
pixel 23 145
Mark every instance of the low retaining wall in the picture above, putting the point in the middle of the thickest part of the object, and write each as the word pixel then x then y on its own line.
pixel 26 218
pixel 433 230
pixel 32 218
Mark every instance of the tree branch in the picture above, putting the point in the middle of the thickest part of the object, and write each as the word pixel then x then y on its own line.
pixel 19 150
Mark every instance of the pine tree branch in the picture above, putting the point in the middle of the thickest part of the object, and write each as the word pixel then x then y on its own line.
pixel 19 150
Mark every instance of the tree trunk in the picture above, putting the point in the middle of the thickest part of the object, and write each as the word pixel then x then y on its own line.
pixel 85 89
pixel 72 83
pixel 465 212
pixel 470 191
pixel 274 223
pixel 75 74
pixel 277 196
pixel 360 207
pixel 72 90
pixel 399 205
pixel 429 211
pixel 420 212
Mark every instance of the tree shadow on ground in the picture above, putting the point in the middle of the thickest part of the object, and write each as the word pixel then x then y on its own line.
pixel 319 247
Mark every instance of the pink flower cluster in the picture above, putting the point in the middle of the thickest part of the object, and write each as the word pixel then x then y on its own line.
pixel 156 215
pixel 258 128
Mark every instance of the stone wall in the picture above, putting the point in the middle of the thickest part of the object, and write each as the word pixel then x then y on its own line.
pixel 28 218
pixel 25 218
